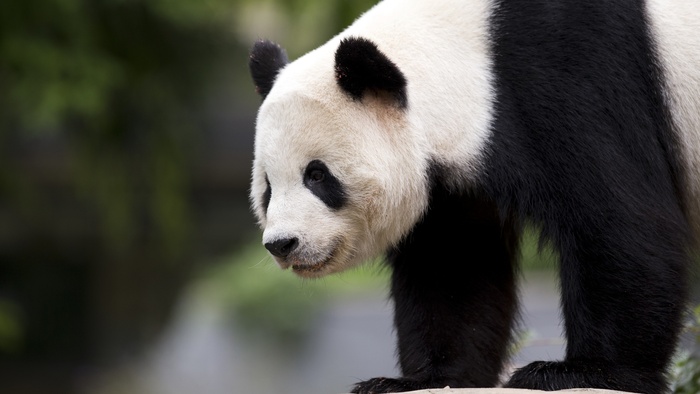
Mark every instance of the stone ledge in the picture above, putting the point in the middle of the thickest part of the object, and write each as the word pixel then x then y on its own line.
pixel 448 390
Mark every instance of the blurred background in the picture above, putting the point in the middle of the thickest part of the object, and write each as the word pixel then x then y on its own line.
pixel 129 258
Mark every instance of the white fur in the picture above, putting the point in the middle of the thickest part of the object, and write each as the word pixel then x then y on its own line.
pixel 676 29
pixel 379 152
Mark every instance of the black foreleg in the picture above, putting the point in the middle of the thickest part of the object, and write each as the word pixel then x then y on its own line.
pixel 455 297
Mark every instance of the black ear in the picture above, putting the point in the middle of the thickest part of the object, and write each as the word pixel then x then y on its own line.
pixel 266 60
pixel 361 66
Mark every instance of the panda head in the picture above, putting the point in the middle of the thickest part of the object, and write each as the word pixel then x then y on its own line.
pixel 339 174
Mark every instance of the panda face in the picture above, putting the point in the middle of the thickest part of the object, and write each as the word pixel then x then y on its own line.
pixel 339 174
pixel 324 180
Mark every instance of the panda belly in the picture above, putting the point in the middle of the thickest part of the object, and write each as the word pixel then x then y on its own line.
pixel 675 27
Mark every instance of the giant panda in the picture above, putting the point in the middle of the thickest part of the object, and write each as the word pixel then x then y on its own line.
pixel 431 132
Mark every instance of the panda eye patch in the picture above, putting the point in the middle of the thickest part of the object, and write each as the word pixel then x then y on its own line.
pixel 324 185
pixel 267 194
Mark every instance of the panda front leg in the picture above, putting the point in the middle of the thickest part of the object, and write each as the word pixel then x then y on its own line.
pixel 455 299
pixel 623 297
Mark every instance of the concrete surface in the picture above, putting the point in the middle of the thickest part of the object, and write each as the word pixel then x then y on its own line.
pixel 511 391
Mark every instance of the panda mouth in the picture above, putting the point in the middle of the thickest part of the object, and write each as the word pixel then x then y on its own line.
pixel 312 268
pixel 317 267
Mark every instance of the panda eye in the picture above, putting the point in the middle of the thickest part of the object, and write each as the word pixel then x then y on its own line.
pixel 316 172
pixel 317 176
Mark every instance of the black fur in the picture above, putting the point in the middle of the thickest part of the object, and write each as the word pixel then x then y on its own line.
pixel 324 185
pixel 581 146
pixel 453 286
pixel 265 61
pixel 360 67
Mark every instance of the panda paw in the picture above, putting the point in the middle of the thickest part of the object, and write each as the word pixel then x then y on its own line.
pixel 389 385
pixel 560 375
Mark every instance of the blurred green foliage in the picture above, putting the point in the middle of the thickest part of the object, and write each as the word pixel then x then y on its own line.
pixel 685 371
pixel 536 254
pixel 11 330
pixel 118 83
pixel 273 304
pixel 298 25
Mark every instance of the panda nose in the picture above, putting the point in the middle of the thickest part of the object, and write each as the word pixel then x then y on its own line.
pixel 282 247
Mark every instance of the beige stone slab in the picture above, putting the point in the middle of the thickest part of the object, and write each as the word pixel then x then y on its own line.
pixel 448 390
